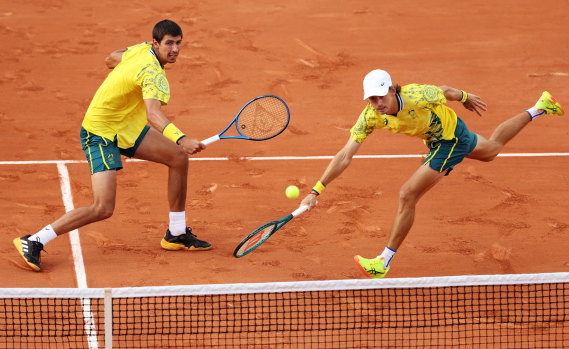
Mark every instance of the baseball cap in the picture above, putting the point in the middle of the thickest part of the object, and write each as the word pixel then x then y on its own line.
pixel 376 83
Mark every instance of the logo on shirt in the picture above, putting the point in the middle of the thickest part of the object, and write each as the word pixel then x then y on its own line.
pixel 430 93
pixel 162 83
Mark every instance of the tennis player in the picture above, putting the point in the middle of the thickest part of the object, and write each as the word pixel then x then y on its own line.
pixel 116 123
pixel 421 111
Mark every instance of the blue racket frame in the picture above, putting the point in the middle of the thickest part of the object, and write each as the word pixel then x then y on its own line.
pixel 241 136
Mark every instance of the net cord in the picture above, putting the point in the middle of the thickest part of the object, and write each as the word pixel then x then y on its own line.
pixel 273 287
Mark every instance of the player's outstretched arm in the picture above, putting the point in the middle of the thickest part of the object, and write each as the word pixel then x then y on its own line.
pixel 470 101
pixel 338 164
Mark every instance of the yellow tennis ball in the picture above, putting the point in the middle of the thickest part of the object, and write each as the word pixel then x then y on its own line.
pixel 292 192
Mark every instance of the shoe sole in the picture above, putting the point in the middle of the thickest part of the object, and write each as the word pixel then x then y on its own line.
pixel 357 260
pixel 177 247
pixel 18 243
pixel 558 104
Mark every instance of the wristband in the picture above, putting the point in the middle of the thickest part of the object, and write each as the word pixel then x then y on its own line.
pixel 464 97
pixel 173 133
pixel 319 187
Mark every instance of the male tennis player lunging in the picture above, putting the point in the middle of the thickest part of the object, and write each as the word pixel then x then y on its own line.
pixel 421 111
pixel 116 123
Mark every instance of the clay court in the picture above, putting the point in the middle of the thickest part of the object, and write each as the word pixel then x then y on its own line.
pixel 509 216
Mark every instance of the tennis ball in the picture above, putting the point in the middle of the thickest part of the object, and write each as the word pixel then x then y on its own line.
pixel 292 192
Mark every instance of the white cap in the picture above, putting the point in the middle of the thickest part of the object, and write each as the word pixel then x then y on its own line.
pixel 376 83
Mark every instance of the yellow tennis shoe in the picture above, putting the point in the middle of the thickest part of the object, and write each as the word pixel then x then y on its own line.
pixel 549 104
pixel 373 268
pixel 187 242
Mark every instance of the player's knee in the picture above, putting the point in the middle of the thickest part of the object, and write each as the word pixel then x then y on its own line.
pixel 179 158
pixel 488 152
pixel 490 157
pixel 407 197
pixel 103 211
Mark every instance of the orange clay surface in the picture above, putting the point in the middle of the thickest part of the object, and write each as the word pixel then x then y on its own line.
pixel 506 216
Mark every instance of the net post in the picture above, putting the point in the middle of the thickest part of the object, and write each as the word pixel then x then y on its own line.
pixel 108 318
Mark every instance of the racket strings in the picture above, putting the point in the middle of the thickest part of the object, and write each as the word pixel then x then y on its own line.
pixel 255 239
pixel 263 118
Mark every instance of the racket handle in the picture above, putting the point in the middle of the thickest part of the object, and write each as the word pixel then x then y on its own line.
pixel 300 210
pixel 211 140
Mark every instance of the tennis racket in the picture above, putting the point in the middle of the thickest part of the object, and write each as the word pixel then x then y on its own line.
pixel 260 119
pixel 261 234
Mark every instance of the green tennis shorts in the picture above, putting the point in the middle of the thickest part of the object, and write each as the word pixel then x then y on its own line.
pixel 104 154
pixel 445 154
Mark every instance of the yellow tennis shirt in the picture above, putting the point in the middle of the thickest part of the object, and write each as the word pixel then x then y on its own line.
pixel 422 113
pixel 118 108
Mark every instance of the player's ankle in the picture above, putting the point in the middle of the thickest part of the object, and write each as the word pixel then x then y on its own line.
pixel 534 112
pixel 388 255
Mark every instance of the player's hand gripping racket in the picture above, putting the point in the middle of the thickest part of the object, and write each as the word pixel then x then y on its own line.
pixel 261 234
pixel 261 118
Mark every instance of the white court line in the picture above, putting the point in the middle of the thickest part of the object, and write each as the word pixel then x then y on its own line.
pixel 73 235
pixel 90 328
pixel 314 157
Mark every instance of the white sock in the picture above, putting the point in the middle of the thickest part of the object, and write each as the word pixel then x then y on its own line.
pixel 177 223
pixel 45 235
pixel 534 112
pixel 387 255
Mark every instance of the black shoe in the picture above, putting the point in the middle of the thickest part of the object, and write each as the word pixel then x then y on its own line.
pixel 187 241
pixel 30 251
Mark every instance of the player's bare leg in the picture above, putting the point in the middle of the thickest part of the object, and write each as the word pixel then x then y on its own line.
pixel 104 187
pixel 155 147
pixel 416 186
pixel 420 182
pixel 488 149
pixel 104 192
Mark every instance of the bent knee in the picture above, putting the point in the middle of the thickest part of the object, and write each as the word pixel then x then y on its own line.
pixel 103 211
pixel 178 158
pixel 489 158
pixel 486 150
pixel 407 197
pixel 484 156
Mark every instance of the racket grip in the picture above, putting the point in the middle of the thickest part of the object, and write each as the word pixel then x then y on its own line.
pixel 210 140
pixel 299 210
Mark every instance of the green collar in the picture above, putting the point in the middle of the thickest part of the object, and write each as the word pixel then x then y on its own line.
pixel 156 56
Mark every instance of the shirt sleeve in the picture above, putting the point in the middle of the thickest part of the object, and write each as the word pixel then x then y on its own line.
pixel 433 94
pixel 424 95
pixel 364 126
pixel 154 84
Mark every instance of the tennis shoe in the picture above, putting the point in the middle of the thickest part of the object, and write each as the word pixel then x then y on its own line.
pixel 373 268
pixel 549 104
pixel 186 241
pixel 29 250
